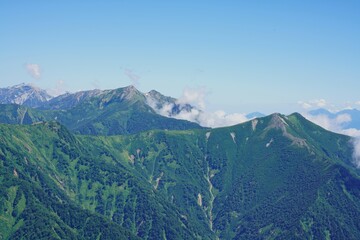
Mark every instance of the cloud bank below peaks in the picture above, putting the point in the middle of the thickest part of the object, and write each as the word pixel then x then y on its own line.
pixel 316 103
pixel 191 106
pixel 336 124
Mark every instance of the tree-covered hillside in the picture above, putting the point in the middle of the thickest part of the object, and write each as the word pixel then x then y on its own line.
pixel 278 177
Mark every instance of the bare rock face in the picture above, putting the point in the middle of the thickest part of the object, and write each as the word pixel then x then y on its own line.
pixel 278 122
pixel 24 94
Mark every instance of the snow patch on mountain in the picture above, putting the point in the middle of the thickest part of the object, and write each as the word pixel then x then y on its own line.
pixel 269 143
pixel 207 135
pixel 254 124
pixel 233 136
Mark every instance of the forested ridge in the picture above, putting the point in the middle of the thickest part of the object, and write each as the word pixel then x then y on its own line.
pixel 277 177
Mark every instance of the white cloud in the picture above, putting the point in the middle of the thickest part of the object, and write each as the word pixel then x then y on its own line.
pixel 194 96
pixel 34 70
pixel 134 77
pixel 343 118
pixel 322 103
pixel 353 132
pixel 336 125
pixel 212 119
pixel 223 119
pixel 305 105
pixel 319 103
pixel 331 124
pixel 60 88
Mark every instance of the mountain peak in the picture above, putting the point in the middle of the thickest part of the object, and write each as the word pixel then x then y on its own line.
pixel 279 122
pixel 242 179
pixel 24 94
pixel 25 86
pixel 165 105
pixel 126 93
pixel 131 90
pixel 70 100
pixel 20 85
pixel 156 94
pixel 153 92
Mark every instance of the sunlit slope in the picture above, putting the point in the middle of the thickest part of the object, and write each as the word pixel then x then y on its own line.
pixel 273 177
pixel 71 179
pixel 112 112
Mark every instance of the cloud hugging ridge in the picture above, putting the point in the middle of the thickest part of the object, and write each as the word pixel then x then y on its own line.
pixel 191 106
pixel 336 124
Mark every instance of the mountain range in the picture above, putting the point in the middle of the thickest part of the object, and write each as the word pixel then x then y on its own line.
pixel 273 177
pixel 116 100
pixel 24 94
pixel 97 112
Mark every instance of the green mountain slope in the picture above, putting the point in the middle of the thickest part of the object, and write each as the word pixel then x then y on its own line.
pixel 276 177
pixel 33 204
pixel 112 112
pixel 283 169
pixel 66 184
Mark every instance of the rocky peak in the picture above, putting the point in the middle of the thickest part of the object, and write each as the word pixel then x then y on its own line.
pixel 24 94
pixel 278 122
pixel 130 92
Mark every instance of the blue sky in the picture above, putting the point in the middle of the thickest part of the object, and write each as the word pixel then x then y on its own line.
pixel 246 55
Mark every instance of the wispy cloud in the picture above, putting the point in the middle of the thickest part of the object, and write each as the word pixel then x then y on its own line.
pixel 34 70
pixel 305 105
pixel 134 77
pixel 60 88
pixel 331 107
pixel 96 84
pixel 319 103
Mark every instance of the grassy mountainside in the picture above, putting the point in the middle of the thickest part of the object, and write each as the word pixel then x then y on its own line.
pixel 113 112
pixel 67 186
pixel 270 178
pixel 33 204
pixel 16 114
